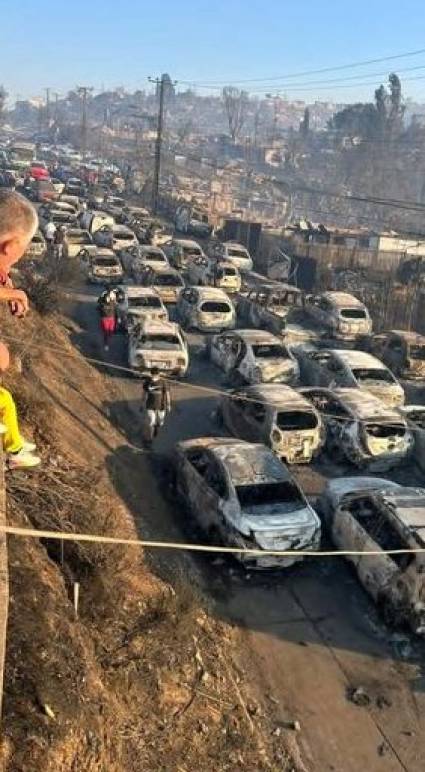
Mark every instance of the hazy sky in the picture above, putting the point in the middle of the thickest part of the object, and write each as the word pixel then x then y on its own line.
pixel 104 43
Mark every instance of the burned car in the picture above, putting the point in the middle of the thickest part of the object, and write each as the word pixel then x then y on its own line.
pixel 136 258
pixel 166 280
pixel 206 271
pixel 415 417
pixel 402 351
pixel 363 519
pixel 137 304
pixel 253 356
pixel 234 253
pixel 117 237
pixel 36 248
pixel 276 415
pixel 267 307
pixel 181 252
pixel 361 429
pixel 78 242
pixel 102 268
pixel 205 308
pixel 347 367
pixel 158 344
pixel 243 496
pixel 340 314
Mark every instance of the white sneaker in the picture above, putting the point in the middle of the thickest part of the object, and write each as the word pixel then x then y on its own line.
pixel 3 429
pixel 29 447
pixel 22 460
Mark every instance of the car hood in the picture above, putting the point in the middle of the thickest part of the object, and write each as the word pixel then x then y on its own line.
pixel 270 519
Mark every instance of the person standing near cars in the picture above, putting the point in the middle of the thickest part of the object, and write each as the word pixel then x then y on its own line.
pixel 107 307
pixel 156 404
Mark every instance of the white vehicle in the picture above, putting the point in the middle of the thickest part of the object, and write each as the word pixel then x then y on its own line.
pixel 235 253
pixel 253 356
pixel 206 309
pixel 361 429
pixel 207 271
pixel 135 259
pixel 242 495
pixel 117 237
pixel 166 280
pixel 191 219
pixel 58 185
pixel 276 415
pixel 91 221
pixel 351 368
pixel 181 252
pixel 78 242
pixel 341 315
pixel 158 344
pixel 139 303
pixel 36 248
pixel 103 268
pixel 376 516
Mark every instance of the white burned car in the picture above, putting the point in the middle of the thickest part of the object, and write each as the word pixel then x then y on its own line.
pixel 158 344
pixel 347 367
pixel 234 253
pixel 277 416
pixel 166 280
pixel 181 252
pixel 36 248
pixel 207 271
pixel 268 306
pixel 205 309
pixel 103 268
pixel 137 258
pixel 372 515
pixel 253 356
pixel 361 429
pixel 139 303
pixel 242 495
pixel 340 314
pixel 115 237
pixel 78 242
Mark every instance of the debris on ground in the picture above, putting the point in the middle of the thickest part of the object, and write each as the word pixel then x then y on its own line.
pixel 359 696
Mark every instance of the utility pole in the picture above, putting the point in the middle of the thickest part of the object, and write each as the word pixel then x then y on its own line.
pixel 82 92
pixel 47 107
pixel 161 82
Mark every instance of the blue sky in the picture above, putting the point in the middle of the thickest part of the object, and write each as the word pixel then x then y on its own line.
pixel 94 42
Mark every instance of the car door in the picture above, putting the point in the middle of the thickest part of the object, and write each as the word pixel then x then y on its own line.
pixel 204 487
pixel 336 374
pixel 252 420
pixel 315 370
pixel 223 351
pixel 394 355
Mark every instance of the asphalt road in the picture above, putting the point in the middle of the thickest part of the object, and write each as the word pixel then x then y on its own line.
pixel 311 633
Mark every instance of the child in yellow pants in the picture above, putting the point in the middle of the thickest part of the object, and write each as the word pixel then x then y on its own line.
pixel 19 451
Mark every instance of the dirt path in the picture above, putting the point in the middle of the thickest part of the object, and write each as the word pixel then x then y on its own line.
pixel 311 635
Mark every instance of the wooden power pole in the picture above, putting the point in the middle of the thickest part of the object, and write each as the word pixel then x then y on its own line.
pixel 162 83
pixel 82 92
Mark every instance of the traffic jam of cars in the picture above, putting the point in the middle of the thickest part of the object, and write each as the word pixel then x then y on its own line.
pixel 301 379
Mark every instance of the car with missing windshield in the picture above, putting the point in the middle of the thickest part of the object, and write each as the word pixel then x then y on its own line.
pixel 369 515
pixel 361 429
pixel 166 280
pixel 340 314
pixel 253 356
pixel 36 248
pixel 402 351
pixel 103 268
pixel 205 308
pixel 154 343
pixel 115 237
pixel 208 272
pixel 243 496
pixel 78 242
pixel 137 258
pixel 351 368
pixel 181 252
pixel 137 304
pixel 234 253
pixel 276 415
pixel 268 306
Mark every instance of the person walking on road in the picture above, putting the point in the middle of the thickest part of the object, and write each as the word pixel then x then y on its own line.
pixel 107 307
pixel 49 235
pixel 157 403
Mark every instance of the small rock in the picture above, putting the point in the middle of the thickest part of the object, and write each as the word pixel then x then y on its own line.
pixel 302 643
pixel 408 733
pixel 252 708
pixel 382 749
pixel 277 732
pixel 359 696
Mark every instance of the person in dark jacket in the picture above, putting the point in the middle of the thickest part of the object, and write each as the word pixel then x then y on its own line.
pixel 107 308
pixel 157 403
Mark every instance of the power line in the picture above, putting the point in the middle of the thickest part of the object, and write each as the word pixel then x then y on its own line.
pixel 339 67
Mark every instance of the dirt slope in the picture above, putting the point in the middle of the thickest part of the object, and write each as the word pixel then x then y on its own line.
pixel 142 678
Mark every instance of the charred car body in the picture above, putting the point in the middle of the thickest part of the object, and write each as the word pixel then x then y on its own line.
pixel 267 307
pixel 181 252
pixel 277 416
pixel 206 271
pixel 415 417
pixel 361 428
pixel 103 268
pixel 341 315
pixel 166 280
pixel 253 356
pixel 136 258
pixel 350 368
pixel 137 304
pixel 403 352
pixel 392 517
pixel 242 495
pixel 206 309
pixel 158 344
